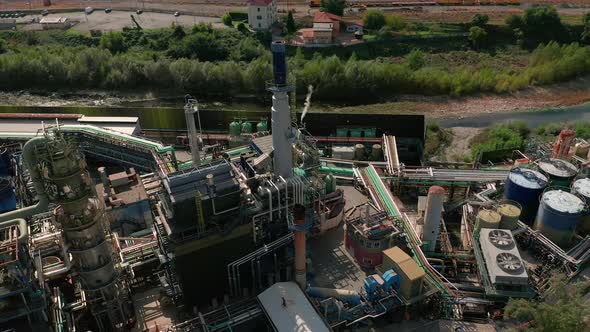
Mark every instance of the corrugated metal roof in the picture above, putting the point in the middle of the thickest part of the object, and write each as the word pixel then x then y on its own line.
pixel 124 119
pixel 297 315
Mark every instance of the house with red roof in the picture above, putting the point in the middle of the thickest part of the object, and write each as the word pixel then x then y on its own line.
pixel 326 26
pixel 262 14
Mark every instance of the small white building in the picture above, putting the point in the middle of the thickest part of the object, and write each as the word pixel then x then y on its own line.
pixel 55 23
pixel 262 14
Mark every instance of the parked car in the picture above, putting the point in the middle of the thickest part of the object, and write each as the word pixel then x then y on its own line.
pixel 45 12
pixel 139 12
pixel 108 10
pixel 89 10
pixel 176 14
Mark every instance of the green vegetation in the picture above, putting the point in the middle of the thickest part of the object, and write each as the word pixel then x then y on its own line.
pixel 500 137
pixel 238 16
pixel 374 19
pixel 550 131
pixel 333 6
pixel 564 310
pixel 586 33
pixel 290 25
pixel 477 36
pixel 480 20
pixel 395 22
pixel 437 139
pixel 226 19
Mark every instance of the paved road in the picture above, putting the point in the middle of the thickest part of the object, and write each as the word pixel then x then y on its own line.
pixel 117 20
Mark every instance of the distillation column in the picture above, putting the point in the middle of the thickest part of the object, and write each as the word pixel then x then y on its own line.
pixel 282 133
pixel 83 221
pixel 193 139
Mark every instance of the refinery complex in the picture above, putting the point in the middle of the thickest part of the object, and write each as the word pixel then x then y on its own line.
pixel 276 223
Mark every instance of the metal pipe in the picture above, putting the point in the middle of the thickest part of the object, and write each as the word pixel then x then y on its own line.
pixel 22 226
pixel 286 195
pixel 31 162
pixel 62 270
pixel 269 203
pixel 278 196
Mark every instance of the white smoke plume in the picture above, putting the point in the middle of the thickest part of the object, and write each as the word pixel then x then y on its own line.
pixel 307 101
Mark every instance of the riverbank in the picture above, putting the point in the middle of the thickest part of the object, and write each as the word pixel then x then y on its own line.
pixel 575 92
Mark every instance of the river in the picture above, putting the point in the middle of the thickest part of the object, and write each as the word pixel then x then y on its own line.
pixel 171 116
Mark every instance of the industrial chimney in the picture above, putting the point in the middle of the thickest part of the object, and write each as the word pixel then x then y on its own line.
pixel 299 239
pixel 190 109
pixel 432 216
pixel 282 132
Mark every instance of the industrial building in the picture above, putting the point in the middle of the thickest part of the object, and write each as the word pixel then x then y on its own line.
pixel 275 225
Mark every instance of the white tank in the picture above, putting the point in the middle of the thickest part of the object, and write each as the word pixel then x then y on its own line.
pixel 432 216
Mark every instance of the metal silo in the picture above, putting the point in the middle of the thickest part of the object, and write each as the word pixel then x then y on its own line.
pixel 509 212
pixel 581 187
pixel 560 172
pixel 359 152
pixel 559 214
pixel 525 186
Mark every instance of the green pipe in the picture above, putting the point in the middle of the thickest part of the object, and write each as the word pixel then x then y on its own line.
pixel 232 152
pixel 335 169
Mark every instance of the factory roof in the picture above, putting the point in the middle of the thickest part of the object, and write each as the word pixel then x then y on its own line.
pixel 53 20
pixel 396 255
pixel 325 17
pixel 120 119
pixel 259 2
pixel 411 270
pixel 263 144
pixel 288 309
pixel 125 187
pixel 22 123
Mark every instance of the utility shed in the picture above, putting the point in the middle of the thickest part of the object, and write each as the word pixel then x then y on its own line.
pixel 411 274
pixel 297 315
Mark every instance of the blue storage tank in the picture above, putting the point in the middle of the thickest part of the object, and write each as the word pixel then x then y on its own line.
pixel 279 62
pixel 559 172
pixel 7 197
pixel 391 279
pixel 559 214
pixel 4 163
pixel 525 186
pixel 581 187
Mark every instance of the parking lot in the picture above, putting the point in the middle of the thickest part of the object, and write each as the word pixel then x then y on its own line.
pixel 117 20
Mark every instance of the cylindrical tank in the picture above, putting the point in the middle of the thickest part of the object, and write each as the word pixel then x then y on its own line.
pixel 560 172
pixel 330 183
pixel 525 186
pixel 488 219
pixel 559 214
pixel 376 152
pixel 509 213
pixel 355 132
pixel 279 62
pixel 582 149
pixel 359 152
pixel 235 128
pixel 432 216
pixel 247 128
pixel 581 187
pixel 262 126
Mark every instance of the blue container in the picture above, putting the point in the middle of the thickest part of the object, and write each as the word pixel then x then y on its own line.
pixel 7 197
pixel 370 285
pixel 525 186
pixel 559 214
pixel 4 164
pixel 391 280
pixel 559 172
pixel 581 187
pixel 279 62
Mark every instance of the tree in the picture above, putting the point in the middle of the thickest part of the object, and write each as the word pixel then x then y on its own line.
pixel 514 21
pixel 586 32
pixel 113 41
pixel 2 45
pixel 480 20
pixel 374 19
pixel 290 24
pixel 395 22
pixel 333 6
pixel 226 19
pixel 178 32
pixel 564 309
pixel 242 27
pixel 415 59
pixel 477 36
pixel 542 24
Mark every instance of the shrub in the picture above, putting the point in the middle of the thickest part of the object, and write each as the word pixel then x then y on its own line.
pixel 226 19
pixel 374 19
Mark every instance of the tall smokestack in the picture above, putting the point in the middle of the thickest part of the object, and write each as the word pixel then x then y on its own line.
pixel 299 235
pixel 282 132
pixel 189 113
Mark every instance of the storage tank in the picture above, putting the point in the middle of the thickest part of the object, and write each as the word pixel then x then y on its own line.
pixel 7 197
pixel 581 187
pixel 359 152
pixel 247 128
pixel 559 214
pixel 262 126
pixel 355 132
pixel 487 218
pixel 432 216
pixel 235 128
pixel 582 149
pixel 560 172
pixel 509 214
pixel 376 152
pixel 525 186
